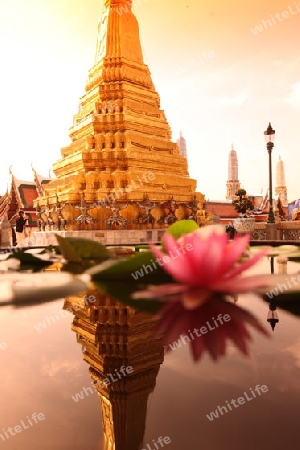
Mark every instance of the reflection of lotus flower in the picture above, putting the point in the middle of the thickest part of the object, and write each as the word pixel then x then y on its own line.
pixel 181 326
pixel 205 262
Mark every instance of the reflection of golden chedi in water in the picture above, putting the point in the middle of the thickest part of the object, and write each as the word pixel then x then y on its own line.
pixel 119 133
pixel 116 338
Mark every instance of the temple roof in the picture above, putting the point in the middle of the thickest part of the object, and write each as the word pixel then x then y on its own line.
pixel 21 195
pixel 221 208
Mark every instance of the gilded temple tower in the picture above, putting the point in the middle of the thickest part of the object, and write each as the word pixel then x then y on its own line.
pixel 280 189
pixel 182 145
pixel 114 337
pixel 233 183
pixel 120 138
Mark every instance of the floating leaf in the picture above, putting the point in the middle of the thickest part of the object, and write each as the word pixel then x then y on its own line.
pixel 122 278
pixel 88 249
pixel 29 261
pixel 75 250
pixel 67 250
pixel 182 227
pixel 133 268
pixel 142 247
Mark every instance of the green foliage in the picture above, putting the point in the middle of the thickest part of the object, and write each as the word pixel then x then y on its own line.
pixel 141 247
pixel 240 193
pixel 117 280
pixel 182 227
pixel 242 204
pixel 76 250
pixel 124 268
pixel 30 262
pixel 120 278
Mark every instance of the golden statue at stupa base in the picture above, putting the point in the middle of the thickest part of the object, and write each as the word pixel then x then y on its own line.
pixel 121 149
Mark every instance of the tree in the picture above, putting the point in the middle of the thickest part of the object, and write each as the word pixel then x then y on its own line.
pixel 242 204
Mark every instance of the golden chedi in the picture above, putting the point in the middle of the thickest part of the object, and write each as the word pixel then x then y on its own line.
pixel 121 155
pixel 124 358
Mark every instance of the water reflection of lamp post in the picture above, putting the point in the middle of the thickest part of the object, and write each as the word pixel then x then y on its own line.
pixel 272 264
pixel 269 137
pixel 272 316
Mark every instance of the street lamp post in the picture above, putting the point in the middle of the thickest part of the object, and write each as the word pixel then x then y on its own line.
pixel 269 137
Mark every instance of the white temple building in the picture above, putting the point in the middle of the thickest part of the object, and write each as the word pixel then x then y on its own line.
pixel 233 183
pixel 280 189
pixel 182 145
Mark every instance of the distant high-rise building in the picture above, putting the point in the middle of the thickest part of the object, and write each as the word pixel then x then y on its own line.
pixel 182 145
pixel 233 183
pixel 280 189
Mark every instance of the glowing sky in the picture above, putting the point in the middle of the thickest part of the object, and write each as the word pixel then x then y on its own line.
pixel 244 81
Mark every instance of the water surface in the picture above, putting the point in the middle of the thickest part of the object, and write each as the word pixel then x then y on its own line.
pixel 42 370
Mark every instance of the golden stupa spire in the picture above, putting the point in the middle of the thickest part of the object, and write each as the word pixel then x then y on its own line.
pixel 116 28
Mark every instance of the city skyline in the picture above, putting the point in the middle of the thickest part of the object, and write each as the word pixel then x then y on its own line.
pixel 218 80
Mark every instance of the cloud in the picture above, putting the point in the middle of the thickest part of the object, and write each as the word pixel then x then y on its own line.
pixel 238 100
pixel 294 350
pixel 294 97
pixel 52 368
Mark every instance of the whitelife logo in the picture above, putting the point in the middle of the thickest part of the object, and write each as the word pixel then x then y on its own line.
pixel 198 332
pixel 162 261
pixel 25 424
pixel 241 401
pixel 127 7
pixel 284 286
pixel 279 17
pixel 161 441
pixel 3 346
pixel 49 320
pixel 106 382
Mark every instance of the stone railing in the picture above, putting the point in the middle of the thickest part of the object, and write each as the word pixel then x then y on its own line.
pixel 286 231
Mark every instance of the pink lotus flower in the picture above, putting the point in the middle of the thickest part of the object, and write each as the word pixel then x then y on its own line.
pixel 203 263
pixel 181 326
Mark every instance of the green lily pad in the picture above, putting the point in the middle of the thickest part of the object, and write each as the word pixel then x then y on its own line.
pixel 75 250
pixel 122 278
pixel 134 268
pixel 182 227
pixel 141 247
pixel 29 261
